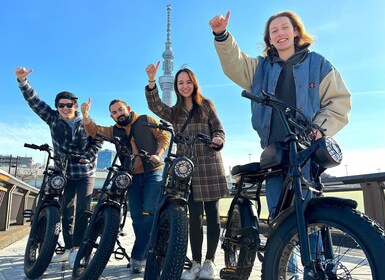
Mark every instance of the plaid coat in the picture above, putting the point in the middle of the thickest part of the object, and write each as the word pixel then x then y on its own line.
pixel 208 181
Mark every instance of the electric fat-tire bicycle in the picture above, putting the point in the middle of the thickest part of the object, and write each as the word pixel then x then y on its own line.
pixel 46 217
pixel 322 237
pixel 168 244
pixel 108 217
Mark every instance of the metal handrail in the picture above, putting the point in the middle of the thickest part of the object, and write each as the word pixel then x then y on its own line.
pixel 15 197
pixel 372 186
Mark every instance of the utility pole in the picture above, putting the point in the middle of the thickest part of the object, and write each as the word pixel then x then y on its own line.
pixel 17 162
pixel 10 164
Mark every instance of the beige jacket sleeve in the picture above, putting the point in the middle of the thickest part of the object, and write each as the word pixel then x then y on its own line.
pixel 237 66
pixel 335 103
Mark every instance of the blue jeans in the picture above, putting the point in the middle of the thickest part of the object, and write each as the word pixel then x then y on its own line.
pixel 143 196
pixel 273 191
pixel 274 186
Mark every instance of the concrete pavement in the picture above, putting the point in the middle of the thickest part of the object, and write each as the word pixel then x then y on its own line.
pixel 12 258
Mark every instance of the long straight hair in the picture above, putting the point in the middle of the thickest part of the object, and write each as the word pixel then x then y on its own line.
pixel 197 98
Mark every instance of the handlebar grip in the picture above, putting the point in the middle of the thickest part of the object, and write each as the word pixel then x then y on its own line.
pixel 202 136
pixel 251 96
pixel 44 147
pixel 102 136
pixel 31 146
pixel 153 125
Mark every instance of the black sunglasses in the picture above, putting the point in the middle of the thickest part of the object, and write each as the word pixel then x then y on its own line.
pixel 62 105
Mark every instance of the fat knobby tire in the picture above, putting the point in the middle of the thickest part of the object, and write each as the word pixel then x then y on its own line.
pixel 43 243
pixel 106 225
pixel 367 233
pixel 171 245
pixel 244 258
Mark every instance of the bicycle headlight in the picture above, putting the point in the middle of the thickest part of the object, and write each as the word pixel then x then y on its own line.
pixel 57 181
pixel 328 154
pixel 182 168
pixel 122 180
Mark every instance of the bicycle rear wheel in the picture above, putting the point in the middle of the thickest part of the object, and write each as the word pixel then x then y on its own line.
pixel 240 247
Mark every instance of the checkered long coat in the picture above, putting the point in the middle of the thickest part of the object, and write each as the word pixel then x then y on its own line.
pixel 208 181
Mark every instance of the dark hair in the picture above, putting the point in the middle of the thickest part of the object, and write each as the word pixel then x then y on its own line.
pixel 303 40
pixel 116 101
pixel 197 97
pixel 65 95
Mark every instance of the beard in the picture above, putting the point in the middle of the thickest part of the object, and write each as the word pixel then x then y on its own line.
pixel 124 120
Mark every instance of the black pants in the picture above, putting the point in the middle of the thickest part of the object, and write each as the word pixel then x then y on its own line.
pixel 196 227
pixel 76 200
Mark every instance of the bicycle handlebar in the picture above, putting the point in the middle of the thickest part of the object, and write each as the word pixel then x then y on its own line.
pixel 301 122
pixel 44 147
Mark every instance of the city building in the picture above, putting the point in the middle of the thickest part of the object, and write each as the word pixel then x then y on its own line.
pixel 105 158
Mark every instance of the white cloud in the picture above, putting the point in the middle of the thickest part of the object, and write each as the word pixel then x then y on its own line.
pixel 363 161
pixel 13 137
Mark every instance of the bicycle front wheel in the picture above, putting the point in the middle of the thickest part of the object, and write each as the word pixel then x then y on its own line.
pixel 42 243
pixel 96 250
pixel 167 260
pixel 344 244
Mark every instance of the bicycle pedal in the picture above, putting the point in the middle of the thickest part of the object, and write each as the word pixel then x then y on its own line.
pixel 89 213
pixel 28 213
pixel 228 273
pixel 59 250
pixel 122 233
pixel 118 254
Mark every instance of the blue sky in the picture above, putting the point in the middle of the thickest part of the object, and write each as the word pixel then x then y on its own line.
pixel 99 49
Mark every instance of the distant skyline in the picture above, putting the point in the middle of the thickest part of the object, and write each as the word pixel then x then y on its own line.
pixel 100 49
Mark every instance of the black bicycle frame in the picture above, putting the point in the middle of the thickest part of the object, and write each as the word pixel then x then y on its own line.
pixel 294 173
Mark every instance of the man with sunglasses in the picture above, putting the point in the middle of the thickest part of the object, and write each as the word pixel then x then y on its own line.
pixel 68 137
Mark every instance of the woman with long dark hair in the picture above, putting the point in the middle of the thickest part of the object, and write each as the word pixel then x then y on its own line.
pixel 208 181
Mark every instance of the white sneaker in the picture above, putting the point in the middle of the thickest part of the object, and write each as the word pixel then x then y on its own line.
pixel 137 266
pixel 292 275
pixel 61 257
pixel 193 272
pixel 72 257
pixel 207 270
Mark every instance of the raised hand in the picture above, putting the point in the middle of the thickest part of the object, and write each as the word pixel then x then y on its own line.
pixel 219 23
pixel 85 108
pixel 151 70
pixel 22 73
